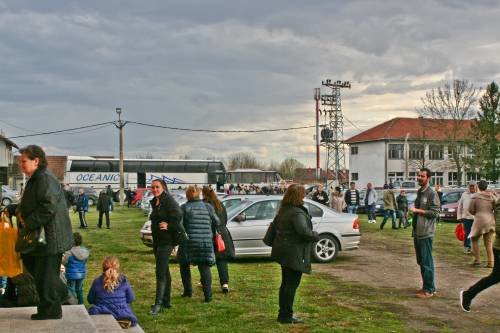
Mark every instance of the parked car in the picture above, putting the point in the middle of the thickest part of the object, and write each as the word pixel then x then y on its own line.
pixel 450 206
pixel 89 191
pixel 9 196
pixel 248 222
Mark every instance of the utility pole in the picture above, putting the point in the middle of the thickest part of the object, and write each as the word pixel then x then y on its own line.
pixel 317 96
pixel 120 124
pixel 332 134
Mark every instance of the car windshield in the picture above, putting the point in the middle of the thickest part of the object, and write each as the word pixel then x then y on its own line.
pixel 237 207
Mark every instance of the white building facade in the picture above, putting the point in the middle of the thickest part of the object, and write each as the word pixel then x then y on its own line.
pixel 388 153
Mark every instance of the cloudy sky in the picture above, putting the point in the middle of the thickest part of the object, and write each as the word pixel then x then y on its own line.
pixel 228 65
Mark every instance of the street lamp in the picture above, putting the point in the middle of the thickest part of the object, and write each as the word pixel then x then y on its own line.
pixel 120 124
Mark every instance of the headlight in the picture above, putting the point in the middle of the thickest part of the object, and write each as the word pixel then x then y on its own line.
pixel 377 206
pixel 451 210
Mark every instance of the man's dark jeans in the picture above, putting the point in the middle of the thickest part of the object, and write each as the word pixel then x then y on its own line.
pixel 388 212
pixel 488 281
pixel 163 278
pixel 423 250
pixel 290 280
pixel 370 209
pixel 100 218
pixel 467 228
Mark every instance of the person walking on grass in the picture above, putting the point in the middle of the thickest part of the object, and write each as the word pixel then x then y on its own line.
pixel 337 202
pixel 482 207
pixel 82 207
pixel 464 216
pixel 466 296
pixel 425 214
pixel 291 248
pixel 402 211
pixel 390 206
pixel 371 198
pixel 103 207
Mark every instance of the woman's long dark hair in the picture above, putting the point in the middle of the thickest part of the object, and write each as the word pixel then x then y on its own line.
pixel 210 196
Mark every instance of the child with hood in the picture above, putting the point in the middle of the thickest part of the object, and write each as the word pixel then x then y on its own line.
pixel 75 261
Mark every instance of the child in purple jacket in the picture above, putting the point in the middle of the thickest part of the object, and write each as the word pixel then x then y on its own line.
pixel 112 294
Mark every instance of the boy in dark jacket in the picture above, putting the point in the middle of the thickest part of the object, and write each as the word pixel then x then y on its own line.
pixel 75 261
pixel 402 211
pixel 103 206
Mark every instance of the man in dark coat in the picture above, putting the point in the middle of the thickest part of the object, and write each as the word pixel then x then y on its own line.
pixel 43 205
pixel 320 196
pixel 103 206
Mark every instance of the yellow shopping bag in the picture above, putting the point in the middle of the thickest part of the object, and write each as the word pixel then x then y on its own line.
pixel 10 260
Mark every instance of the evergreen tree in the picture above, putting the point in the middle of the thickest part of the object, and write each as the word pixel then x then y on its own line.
pixel 485 132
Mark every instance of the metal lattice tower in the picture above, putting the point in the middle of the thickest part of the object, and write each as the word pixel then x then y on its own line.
pixel 332 134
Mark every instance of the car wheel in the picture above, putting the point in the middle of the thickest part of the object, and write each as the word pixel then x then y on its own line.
pixel 6 201
pixel 91 202
pixel 326 249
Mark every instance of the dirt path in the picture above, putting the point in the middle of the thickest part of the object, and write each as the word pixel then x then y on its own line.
pixel 394 268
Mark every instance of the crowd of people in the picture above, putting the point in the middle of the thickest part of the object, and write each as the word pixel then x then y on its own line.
pixel 55 269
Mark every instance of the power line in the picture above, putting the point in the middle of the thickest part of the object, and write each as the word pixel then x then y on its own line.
pixel 61 131
pixel 221 131
pixel 359 129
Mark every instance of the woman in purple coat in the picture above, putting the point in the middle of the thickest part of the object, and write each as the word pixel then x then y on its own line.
pixel 111 293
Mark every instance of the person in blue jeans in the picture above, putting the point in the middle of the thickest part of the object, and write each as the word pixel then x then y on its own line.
pixel 75 261
pixel 425 214
pixel 351 198
pixel 464 216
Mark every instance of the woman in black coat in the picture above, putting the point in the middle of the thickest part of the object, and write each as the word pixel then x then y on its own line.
pixel 200 223
pixel 292 248
pixel 221 259
pixel 165 219
pixel 43 205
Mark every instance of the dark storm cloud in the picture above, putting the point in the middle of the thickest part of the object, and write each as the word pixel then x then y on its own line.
pixel 228 65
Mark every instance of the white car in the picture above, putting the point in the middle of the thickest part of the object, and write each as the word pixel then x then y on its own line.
pixel 248 222
pixel 9 196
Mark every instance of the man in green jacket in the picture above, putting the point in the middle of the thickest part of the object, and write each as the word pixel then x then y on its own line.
pixel 425 214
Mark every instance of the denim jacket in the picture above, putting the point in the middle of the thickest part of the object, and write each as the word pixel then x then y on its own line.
pixel 425 225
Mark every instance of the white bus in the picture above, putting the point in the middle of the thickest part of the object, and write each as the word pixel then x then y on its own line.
pixel 99 172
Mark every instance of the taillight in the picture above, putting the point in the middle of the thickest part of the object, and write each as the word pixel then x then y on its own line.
pixel 355 224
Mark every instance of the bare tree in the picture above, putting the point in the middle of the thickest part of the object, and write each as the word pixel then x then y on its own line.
pixel 289 167
pixel 243 161
pixel 448 106
pixel 146 155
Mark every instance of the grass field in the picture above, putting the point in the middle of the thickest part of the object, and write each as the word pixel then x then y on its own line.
pixel 327 304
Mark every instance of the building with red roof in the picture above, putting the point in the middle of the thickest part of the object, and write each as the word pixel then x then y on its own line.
pixel 396 149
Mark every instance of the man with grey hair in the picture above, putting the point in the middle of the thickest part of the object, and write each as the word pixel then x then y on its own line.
pixel 464 216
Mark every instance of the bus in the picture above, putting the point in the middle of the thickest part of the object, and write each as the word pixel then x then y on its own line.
pixel 99 172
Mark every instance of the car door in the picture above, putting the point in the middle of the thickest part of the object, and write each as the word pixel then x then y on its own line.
pixel 248 233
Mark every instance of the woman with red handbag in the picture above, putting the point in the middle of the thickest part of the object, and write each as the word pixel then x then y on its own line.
pixel 221 257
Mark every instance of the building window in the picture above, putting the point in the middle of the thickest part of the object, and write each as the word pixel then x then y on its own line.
pixel 452 178
pixel 354 176
pixel 436 152
pixel 354 150
pixel 395 176
pixel 417 152
pixel 437 178
pixel 396 151
pixel 412 175
pixel 473 177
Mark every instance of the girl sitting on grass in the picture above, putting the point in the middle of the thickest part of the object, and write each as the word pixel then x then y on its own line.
pixel 112 294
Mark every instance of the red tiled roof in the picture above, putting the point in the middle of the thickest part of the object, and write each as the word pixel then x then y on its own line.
pixel 415 128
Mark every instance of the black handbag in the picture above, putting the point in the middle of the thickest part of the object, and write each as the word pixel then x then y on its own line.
pixel 270 235
pixel 29 240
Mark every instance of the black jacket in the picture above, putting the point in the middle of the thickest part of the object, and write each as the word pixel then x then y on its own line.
pixel 294 235
pixel 229 253
pixel 103 202
pixel 167 211
pixel 200 227
pixel 44 204
pixel 347 198
pixel 322 197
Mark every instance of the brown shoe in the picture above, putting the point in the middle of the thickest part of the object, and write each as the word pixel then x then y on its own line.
pixel 425 294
